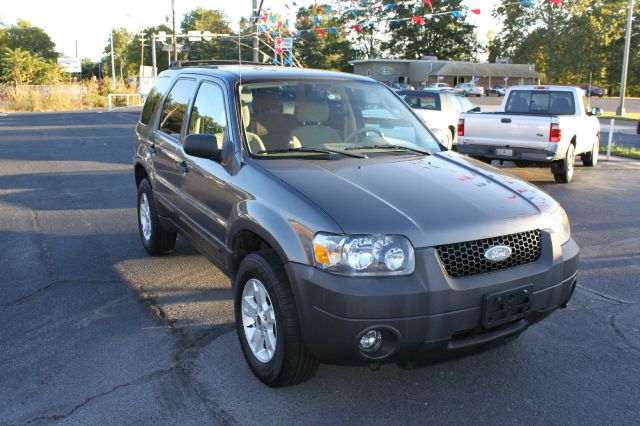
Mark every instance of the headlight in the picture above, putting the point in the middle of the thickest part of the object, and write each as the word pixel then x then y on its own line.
pixel 560 225
pixel 363 255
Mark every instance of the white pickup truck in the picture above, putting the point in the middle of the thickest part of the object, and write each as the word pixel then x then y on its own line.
pixel 535 124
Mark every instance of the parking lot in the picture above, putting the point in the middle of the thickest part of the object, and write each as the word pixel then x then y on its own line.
pixel 97 331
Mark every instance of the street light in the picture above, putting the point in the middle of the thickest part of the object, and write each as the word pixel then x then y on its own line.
pixel 625 60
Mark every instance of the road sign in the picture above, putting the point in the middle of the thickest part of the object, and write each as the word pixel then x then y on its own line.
pixel 287 43
pixel 169 47
pixel 194 35
pixel 70 65
pixel 207 36
pixel 161 36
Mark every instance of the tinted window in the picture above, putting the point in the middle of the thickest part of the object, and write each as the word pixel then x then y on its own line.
pixel 175 107
pixel 541 102
pixel 155 96
pixel 208 115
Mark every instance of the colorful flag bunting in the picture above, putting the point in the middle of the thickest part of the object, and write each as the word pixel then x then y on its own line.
pixel 357 28
pixel 418 20
pixel 528 3
pixel 429 3
pixel 476 11
pixel 457 14
pixel 557 2
pixel 321 32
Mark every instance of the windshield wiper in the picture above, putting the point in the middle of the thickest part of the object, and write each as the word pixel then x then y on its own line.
pixel 312 150
pixel 391 147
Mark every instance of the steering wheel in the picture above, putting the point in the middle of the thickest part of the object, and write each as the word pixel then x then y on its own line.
pixel 362 131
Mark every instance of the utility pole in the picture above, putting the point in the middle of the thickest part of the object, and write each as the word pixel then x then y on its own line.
pixel 113 63
pixel 154 68
pixel 175 41
pixel 76 49
pixel 254 29
pixel 625 60
pixel 142 48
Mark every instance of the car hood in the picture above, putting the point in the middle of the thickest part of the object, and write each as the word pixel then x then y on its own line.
pixel 436 199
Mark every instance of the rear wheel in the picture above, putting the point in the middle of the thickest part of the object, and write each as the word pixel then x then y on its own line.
pixel 154 238
pixel 563 169
pixel 267 323
pixel 590 159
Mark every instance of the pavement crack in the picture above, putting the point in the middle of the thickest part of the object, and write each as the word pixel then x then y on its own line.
pixel 604 296
pixel 140 380
pixel 188 348
pixel 620 333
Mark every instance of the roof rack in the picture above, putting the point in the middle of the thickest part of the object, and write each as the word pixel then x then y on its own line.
pixel 213 63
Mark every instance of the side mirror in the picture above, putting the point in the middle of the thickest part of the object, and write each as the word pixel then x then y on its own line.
pixel 596 111
pixel 202 146
pixel 476 109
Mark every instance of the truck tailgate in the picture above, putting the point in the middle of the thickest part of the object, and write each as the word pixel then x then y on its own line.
pixel 523 131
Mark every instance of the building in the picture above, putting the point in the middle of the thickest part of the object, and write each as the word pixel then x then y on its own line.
pixel 430 70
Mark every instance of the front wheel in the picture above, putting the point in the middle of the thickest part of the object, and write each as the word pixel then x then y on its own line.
pixel 563 169
pixel 590 159
pixel 267 323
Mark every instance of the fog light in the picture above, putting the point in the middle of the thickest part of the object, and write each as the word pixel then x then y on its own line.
pixel 371 341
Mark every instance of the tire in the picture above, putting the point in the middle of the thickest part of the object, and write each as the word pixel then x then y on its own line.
pixel 563 171
pixel 289 363
pixel 154 238
pixel 590 159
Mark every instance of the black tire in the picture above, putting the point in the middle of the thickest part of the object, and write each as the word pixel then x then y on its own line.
pixel 291 362
pixel 563 169
pixel 159 241
pixel 590 159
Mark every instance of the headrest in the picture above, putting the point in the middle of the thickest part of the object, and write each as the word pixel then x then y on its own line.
pixel 246 116
pixel 312 111
pixel 265 102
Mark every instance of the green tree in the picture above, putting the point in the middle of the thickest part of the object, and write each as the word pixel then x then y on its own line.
pixel 121 38
pixel 133 50
pixel 27 37
pixel 445 36
pixel 364 25
pixel 326 49
pixel 215 22
pixel 21 67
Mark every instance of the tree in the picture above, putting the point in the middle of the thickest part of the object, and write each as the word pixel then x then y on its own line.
pixel 121 38
pixel 327 48
pixel 27 37
pixel 20 67
pixel 364 25
pixel 441 35
pixel 214 21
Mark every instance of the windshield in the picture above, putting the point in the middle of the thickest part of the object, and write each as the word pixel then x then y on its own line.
pixel 329 118
pixel 422 100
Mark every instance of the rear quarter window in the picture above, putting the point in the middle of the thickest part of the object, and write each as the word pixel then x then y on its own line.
pixel 553 102
pixel 153 99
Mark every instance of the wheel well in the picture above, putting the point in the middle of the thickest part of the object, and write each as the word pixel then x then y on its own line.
pixel 246 242
pixel 573 141
pixel 453 132
pixel 140 174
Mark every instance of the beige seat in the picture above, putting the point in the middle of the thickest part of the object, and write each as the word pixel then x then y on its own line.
pixel 253 140
pixel 311 115
pixel 269 121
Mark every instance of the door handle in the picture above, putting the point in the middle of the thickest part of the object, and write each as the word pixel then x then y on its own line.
pixel 151 149
pixel 506 120
pixel 182 166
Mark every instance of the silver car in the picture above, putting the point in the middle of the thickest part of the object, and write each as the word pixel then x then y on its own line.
pixel 469 89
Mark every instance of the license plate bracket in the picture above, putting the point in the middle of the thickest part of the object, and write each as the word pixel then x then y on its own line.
pixel 506 306
pixel 504 152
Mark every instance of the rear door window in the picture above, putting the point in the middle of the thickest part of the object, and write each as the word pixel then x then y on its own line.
pixel 153 99
pixel 175 107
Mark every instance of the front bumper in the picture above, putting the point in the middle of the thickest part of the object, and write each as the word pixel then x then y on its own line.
pixel 518 154
pixel 424 316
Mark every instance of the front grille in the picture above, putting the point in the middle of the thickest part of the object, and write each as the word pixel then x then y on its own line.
pixel 467 258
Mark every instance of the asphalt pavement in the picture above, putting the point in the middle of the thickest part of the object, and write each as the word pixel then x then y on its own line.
pixel 96 331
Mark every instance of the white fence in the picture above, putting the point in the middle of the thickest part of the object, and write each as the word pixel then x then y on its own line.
pixel 131 99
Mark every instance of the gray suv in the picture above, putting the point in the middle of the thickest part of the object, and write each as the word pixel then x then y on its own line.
pixel 350 235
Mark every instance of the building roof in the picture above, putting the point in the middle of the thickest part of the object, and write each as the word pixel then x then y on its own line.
pixel 460 68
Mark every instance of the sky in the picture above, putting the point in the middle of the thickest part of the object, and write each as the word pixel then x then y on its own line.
pixel 89 22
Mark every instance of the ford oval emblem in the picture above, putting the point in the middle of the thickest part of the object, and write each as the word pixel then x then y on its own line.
pixel 497 253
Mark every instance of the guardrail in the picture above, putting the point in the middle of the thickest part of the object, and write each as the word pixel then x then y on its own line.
pixel 127 97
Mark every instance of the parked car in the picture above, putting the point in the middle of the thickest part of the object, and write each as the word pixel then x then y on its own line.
pixel 441 87
pixel 594 91
pixel 469 89
pixel 496 91
pixel 349 238
pixel 536 124
pixel 440 111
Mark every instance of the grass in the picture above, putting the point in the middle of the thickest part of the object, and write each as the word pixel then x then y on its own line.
pixel 621 151
pixel 627 116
